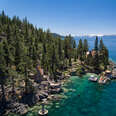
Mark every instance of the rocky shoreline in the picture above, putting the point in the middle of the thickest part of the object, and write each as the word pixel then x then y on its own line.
pixel 107 75
pixel 45 89
pixel 48 89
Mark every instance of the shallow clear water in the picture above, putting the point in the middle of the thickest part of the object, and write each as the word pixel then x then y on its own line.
pixel 83 97
pixel 87 98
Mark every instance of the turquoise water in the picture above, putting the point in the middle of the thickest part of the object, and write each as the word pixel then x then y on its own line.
pixel 94 99
pixel 84 98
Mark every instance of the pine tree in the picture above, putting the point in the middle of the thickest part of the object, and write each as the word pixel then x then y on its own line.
pixel 106 57
pixel 96 61
pixel 54 62
pixel 96 56
pixel 66 48
pixel 101 45
pixel 6 50
pixel 49 36
pixel 74 51
pixel 96 44
pixel 101 49
pixel 80 50
pixel 85 46
pixel 43 60
pixel 59 49
pixel 103 54
pixel 85 49
pixel 74 44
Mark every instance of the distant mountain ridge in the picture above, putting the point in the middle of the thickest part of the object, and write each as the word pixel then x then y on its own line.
pixel 87 36
pixel 58 35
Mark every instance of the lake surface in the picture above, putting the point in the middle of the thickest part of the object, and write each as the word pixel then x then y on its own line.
pixel 84 98
pixel 110 43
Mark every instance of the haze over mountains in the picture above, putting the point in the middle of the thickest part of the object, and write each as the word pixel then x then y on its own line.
pixel 94 36
pixel 87 36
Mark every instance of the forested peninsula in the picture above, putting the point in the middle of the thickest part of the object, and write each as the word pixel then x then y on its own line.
pixel 34 63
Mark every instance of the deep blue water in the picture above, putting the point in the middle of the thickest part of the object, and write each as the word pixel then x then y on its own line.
pixel 109 42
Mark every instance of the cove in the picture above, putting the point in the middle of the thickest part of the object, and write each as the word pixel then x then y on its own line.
pixel 94 99
pixel 82 97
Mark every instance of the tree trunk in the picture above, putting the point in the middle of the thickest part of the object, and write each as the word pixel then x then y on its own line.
pixel 3 93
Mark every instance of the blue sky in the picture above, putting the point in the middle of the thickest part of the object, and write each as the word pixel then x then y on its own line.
pixel 66 16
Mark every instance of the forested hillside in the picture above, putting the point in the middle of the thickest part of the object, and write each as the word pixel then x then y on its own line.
pixel 23 46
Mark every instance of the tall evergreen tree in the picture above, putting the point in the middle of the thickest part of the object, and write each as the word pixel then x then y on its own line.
pixel 85 46
pixel 43 60
pixel 80 50
pixel 96 61
pixel 59 49
pixel 75 50
pixel 96 44
pixel 96 56
pixel 101 45
pixel 66 48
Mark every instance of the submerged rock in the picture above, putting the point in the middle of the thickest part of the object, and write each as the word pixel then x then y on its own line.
pixel 18 108
pixel 55 91
pixel 41 95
